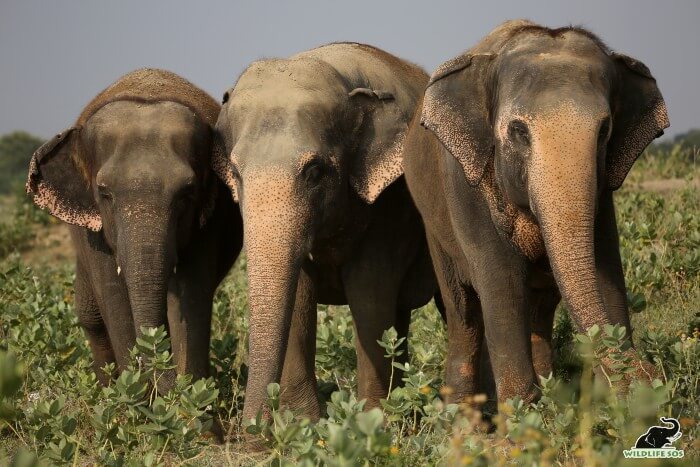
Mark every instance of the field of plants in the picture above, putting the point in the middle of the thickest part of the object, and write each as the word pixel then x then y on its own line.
pixel 52 410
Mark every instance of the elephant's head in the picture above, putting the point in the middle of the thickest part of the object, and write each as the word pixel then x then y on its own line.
pixel 140 173
pixel 545 120
pixel 300 150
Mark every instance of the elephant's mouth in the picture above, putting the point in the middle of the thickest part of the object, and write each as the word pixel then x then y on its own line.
pixel 515 224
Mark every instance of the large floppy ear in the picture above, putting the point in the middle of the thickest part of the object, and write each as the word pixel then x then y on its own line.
pixel 639 116
pixel 220 162
pixel 456 108
pixel 57 185
pixel 382 130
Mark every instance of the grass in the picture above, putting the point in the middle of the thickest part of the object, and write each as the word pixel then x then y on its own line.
pixel 53 411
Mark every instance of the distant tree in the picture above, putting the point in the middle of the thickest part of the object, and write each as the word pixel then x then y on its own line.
pixel 16 150
pixel 690 138
pixel 686 140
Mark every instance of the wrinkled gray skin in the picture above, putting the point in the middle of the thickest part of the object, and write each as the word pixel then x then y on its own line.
pixel 512 159
pixel 311 149
pixel 151 264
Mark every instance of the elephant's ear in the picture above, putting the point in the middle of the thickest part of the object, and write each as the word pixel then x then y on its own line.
pixel 639 116
pixel 57 185
pixel 380 142
pixel 456 108
pixel 220 162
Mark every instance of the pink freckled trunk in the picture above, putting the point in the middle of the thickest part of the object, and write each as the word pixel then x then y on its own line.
pixel 563 188
pixel 274 242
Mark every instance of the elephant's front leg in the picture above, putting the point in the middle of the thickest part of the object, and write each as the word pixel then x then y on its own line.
pixel 92 323
pixel 189 322
pixel 298 383
pixel 373 302
pixel 100 286
pixel 543 304
pixel 504 301
pixel 611 278
pixel 465 327
pixel 190 299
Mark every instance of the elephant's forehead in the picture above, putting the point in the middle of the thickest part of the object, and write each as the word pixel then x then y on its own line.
pixel 277 102
pixel 163 127
pixel 131 115
pixel 572 41
pixel 287 75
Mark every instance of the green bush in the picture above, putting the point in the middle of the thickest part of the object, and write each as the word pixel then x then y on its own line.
pixel 53 411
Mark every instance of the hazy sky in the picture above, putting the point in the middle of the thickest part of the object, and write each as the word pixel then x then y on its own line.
pixel 56 55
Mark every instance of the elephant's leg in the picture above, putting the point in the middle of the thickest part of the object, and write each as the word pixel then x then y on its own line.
pixel 373 304
pixel 100 273
pixel 543 305
pixel 504 302
pixel 611 281
pixel 611 277
pixel 298 382
pixel 189 323
pixel 465 329
pixel 91 321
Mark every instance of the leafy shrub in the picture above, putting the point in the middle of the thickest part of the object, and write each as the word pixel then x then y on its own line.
pixel 53 411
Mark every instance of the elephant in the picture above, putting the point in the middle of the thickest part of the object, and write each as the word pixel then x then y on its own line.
pixel 659 437
pixel 310 147
pixel 512 158
pixel 153 227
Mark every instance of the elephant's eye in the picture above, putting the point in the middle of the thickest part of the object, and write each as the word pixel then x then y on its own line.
pixel 236 174
pixel 104 192
pixel 313 172
pixel 517 131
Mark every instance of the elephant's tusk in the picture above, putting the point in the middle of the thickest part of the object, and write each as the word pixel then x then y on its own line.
pixel 119 270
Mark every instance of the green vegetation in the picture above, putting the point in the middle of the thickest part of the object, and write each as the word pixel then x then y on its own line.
pixel 15 151
pixel 53 411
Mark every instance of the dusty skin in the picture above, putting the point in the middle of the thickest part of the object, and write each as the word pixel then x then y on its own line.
pixel 516 196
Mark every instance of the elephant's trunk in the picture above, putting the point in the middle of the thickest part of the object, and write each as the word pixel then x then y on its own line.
pixel 276 241
pixel 563 187
pixel 146 260
pixel 675 425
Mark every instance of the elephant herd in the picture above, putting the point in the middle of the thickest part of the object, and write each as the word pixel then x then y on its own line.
pixel 355 178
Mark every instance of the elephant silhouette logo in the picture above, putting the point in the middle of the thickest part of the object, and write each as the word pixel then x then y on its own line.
pixel 660 436
pixel 657 441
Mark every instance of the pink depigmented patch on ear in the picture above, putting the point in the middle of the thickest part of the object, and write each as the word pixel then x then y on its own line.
pixel 379 173
pixel 223 167
pixel 460 144
pixel 45 197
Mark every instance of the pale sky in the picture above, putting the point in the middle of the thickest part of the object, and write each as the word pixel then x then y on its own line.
pixel 56 55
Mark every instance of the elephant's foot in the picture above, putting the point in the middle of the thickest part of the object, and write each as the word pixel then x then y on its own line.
pixel 165 381
pixel 216 432
pixel 642 371
pixel 510 388
pixel 541 355
pixel 302 399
